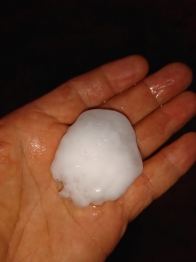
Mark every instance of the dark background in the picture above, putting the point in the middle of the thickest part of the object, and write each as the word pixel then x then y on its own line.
pixel 45 43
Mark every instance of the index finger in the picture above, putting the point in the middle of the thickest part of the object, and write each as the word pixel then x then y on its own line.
pixel 90 90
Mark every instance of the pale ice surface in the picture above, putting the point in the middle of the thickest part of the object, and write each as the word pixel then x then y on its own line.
pixel 98 158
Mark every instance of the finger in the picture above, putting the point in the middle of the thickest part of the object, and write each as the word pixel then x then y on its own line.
pixel 91 89
pixel 160 173
pixel 155 90
pixel 159 126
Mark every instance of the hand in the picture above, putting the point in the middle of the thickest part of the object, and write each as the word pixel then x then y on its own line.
pixel 35 223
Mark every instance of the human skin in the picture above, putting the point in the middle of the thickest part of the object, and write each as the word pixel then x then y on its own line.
pixel 36 224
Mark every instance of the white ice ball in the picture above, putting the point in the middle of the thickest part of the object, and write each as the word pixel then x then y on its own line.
pixel 98 158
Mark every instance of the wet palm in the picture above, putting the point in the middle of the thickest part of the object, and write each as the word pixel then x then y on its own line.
pixel 35 223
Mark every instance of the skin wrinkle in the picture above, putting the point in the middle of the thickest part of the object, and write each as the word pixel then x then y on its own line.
pixel 48 231
pixel 171 123
pixel 13 232
pixel 37 132
pixel 125 204
pixel 156 104
pixel 88 103
pixel 134 213
pixel 130 74
pixel 76 93
pixel 8 133
pixel 176 172
pixel 22 150
pixel 42 130
pixel 108 82
pixel 3 206
pixel 93 89
pixel 72 87
pixel 33 252
pixel 161 125
pixel 169 160
pixel 153 95
pixel 89 236
pixel 19 206
pixel 150 186
pixel 46 221
pixel 5 241
pixel 24 228
pixel 39 202
pixel 153 196
pixel 42 111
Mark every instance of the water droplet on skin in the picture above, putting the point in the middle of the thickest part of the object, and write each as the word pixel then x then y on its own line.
pixel 156 91
pixel 96 211
pixel 37 148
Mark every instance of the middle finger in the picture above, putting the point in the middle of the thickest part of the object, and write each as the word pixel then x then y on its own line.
pixel 155 90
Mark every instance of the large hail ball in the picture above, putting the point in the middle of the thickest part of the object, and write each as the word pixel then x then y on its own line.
pixel 98 158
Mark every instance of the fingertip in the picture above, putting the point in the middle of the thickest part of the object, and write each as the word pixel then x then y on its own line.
pixel 190 137
pixel 141 60
pixel 191 100
pixel 182 66
pixel 181 71
pixel 141 63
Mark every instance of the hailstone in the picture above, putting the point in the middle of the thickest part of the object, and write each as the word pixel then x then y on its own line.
pixel 97 159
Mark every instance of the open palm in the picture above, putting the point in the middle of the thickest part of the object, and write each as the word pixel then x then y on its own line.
pixel 35 223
